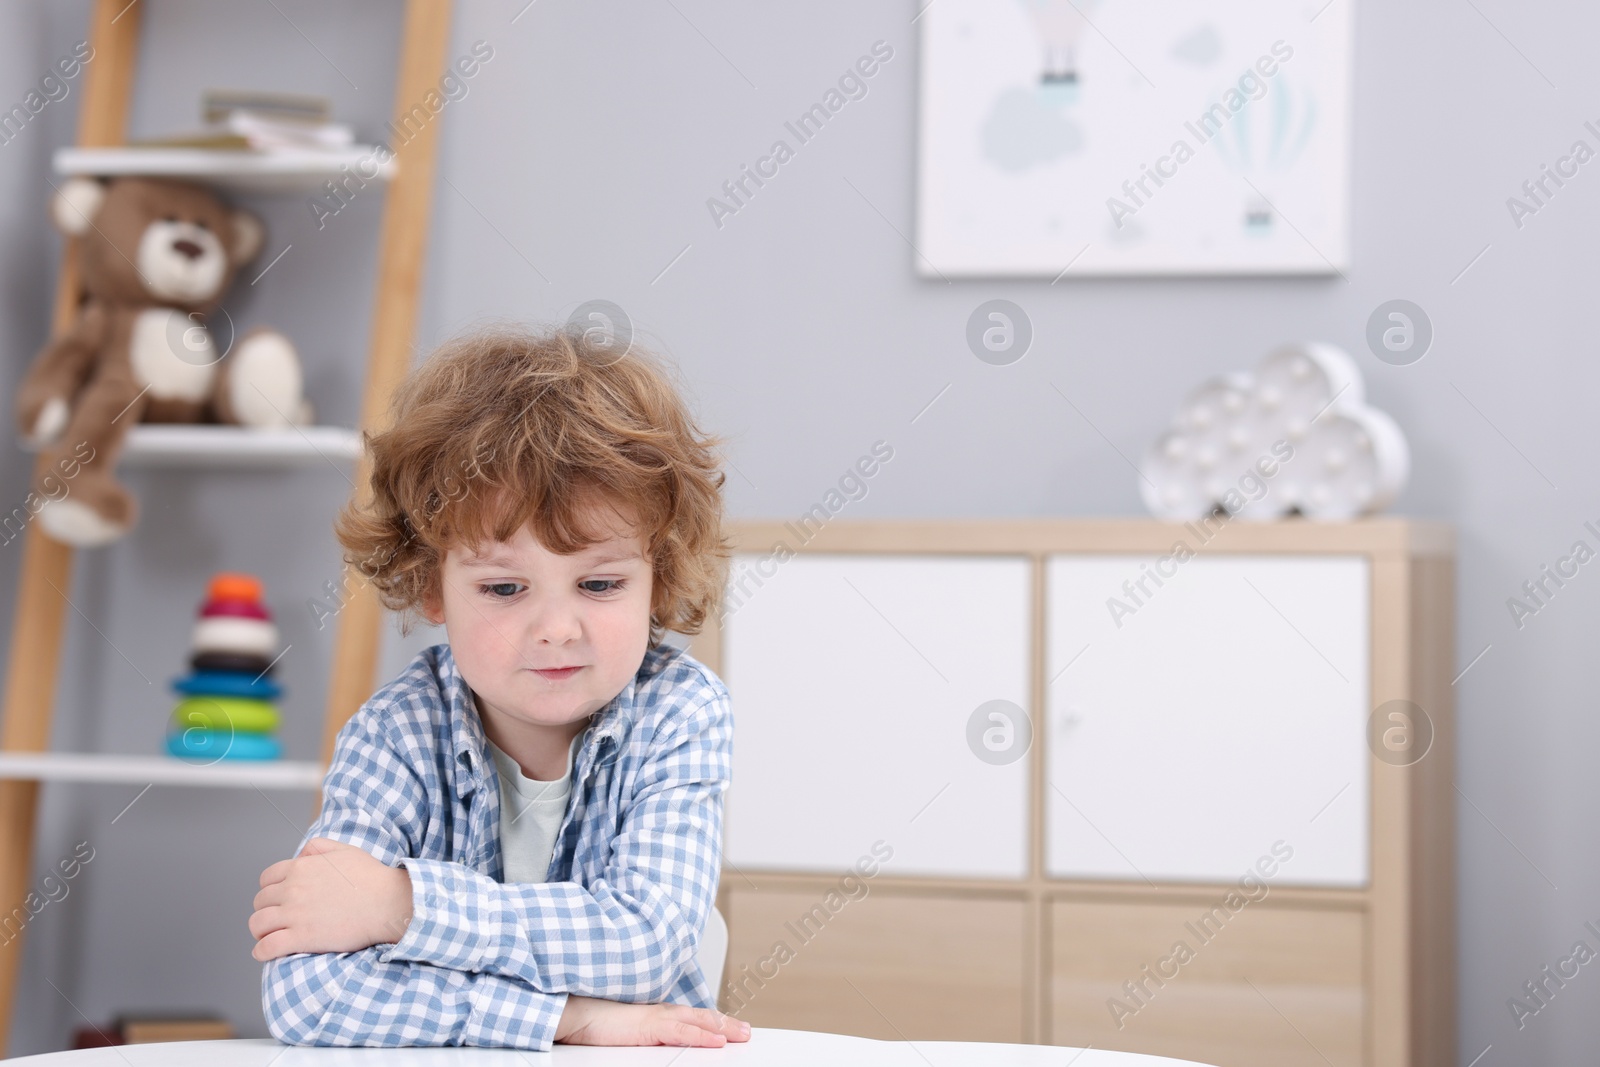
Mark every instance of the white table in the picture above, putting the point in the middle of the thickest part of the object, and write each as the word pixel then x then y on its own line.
pixel 766 1048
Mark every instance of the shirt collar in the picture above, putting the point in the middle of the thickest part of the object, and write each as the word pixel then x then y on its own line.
pixel 470 745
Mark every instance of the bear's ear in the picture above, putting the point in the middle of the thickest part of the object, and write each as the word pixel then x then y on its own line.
pixel 248 237
pixel 75 205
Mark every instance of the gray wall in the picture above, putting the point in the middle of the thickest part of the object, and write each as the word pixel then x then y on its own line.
pixel 578 167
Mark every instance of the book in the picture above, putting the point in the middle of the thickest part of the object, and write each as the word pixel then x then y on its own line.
pixel 138 1030
pixel 141 1027
pixel 263 121
pixel 193 140
pixel 217 104
pixel 244 129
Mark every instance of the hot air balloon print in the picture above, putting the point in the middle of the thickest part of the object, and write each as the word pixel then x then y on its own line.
pixel 1262 141
pixel 1060 25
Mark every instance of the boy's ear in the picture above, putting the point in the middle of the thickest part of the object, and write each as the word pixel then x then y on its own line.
pixel 432 610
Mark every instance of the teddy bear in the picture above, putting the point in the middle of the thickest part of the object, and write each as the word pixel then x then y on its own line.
pixel 156 257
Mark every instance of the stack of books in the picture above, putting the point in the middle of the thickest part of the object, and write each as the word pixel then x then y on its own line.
pixel 260 121
pixel 132 1028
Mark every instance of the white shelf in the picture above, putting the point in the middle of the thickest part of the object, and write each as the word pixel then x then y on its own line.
pixel 211 445
pixel 237 169
pixel 160 770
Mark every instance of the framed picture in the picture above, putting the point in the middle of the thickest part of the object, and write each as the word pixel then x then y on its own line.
pixel 1114 137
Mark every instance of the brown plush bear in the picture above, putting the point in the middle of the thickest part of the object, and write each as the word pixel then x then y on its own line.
pixel 156 256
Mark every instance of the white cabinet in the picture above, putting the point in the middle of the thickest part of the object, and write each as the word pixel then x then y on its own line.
pixel 1207 717
pixel 1190 731
pixel 855 679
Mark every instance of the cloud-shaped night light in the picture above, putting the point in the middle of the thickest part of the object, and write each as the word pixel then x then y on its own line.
pixel 1295 436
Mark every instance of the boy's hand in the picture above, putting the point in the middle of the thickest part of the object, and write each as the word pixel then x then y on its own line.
pixel 588 1021
pixel 333 897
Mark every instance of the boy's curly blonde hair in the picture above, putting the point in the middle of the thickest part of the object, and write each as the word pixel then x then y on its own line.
pixel 510 426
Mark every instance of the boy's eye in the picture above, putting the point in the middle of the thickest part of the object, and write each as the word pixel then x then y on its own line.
pixel 507 590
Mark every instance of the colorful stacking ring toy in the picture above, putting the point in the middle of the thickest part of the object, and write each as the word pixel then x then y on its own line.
pixel 227 709
pixel 218 745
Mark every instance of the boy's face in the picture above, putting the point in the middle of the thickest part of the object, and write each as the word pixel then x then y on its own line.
pixel 513 610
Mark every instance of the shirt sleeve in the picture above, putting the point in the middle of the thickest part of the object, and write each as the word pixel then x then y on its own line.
pixel 352 998
pixel 630 933
pixel 372 798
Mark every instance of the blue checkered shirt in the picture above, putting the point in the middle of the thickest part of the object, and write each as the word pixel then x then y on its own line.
pixel 631 881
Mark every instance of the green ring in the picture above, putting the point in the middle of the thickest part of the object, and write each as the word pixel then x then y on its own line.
pixel 239 714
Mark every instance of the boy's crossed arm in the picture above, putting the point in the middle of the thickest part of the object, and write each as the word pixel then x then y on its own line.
pixel 624 938
pixel 344 901
pixel 353 999
pixel 627 938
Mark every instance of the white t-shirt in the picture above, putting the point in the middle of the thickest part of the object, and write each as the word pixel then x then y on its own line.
pixel 531 811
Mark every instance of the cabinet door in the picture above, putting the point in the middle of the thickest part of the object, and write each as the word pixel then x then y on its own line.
pixel 1194 724
pixel 855 679
pixel 1253 985
pixel 877 963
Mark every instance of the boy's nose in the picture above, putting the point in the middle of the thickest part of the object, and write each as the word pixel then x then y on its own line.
pixel 551 625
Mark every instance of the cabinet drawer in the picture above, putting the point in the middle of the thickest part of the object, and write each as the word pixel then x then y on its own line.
pixel 1192 724
pixel 890 965
pixel 1266 985
pixel 855 679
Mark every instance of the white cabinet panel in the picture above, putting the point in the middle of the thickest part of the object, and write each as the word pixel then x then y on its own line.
pixel 1225 712
pixel 854 679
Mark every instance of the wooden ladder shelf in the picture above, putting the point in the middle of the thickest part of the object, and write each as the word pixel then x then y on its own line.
pixel 44 583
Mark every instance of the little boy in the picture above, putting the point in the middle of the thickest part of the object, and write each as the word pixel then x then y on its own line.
pixel 521 836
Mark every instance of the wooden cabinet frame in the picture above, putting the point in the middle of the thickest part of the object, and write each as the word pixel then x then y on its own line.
pixel 1409 905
